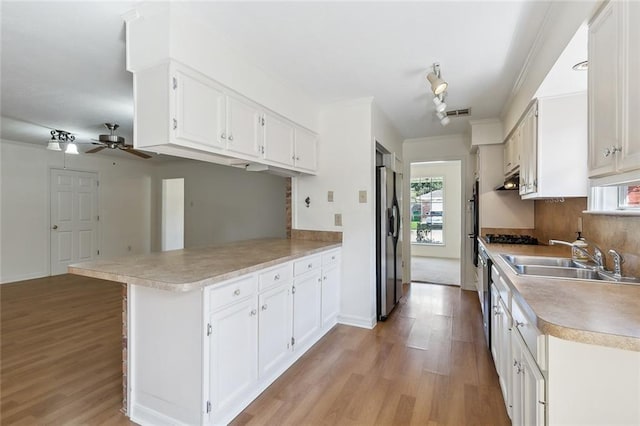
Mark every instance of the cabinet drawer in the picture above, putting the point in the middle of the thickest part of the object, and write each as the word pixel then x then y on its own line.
pixel 532 337
pixel 279 274
pixel 330 258
pixel 306 264
pixel 232 292
pixel 505 291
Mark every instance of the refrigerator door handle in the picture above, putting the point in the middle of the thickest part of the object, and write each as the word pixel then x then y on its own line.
pixel 390 222
pixel 397 215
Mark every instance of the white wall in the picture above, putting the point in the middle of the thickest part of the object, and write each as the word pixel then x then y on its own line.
pixel 561 23
pixel 125 200
pixel 451 171
pixel 172 223
pixel 224 204
pixel 443 148
pixel 500 209
pixel 171 30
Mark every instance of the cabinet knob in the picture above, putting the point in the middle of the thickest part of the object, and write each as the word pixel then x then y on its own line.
pixel 237 292
pixel 223 135
pixel 297 158
pixel 276 277
pixel 253 312
pixel 230 137
pixel 519 324
pixel 264 307
pixel 54 227
pixel 309 266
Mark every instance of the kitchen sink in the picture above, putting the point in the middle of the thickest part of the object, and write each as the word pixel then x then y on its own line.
pixel 545 261
pixel 563 268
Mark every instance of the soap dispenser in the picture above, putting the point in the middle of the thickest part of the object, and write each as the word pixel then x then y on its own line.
pixel 577 254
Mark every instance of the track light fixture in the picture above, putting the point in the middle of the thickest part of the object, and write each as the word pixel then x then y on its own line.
pixel 438 85
pixel 440 105
pixel 61 137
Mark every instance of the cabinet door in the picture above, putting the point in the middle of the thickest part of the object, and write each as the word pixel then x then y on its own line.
pixel 330 297
pixel 244 128
pixel 533 391
pixel 604 90
pixel 199 109
pixel 529 152
pixel 507 155
pixel 306 308
pixel 305 150
pixel 505 356
pixel 496 335
pixel 630 155
pixel 274 329
pixel 278 140
pixel 528 396
pixel 233 355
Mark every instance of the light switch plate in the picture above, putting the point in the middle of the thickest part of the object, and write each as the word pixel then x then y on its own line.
pixel 337 218
pixel 362 196
pixel 330 196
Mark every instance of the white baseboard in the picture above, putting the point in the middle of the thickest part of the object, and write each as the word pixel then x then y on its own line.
pixel 147 416
pixel 15 278
pixel 357 321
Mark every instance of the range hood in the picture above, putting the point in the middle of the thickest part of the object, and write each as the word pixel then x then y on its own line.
pixel 510 184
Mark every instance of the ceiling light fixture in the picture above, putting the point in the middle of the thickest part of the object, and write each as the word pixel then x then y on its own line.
pixel 440 105
pixel 61 137
pixel 438 85
pixel 445 121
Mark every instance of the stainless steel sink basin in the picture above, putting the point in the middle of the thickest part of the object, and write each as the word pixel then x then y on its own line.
pixel 545 261
pixel 563 268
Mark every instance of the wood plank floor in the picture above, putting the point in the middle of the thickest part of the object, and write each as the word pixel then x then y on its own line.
pixel 428 364
pixel 61 352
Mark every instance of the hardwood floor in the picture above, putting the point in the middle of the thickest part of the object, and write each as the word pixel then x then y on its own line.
pixel 61 352
pixel 428 364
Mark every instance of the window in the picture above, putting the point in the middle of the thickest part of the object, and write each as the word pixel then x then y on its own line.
pixel 427 218
pixel 621 199
pixel 629 197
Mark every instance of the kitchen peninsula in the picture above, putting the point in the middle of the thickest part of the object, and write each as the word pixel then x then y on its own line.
pixel 207 329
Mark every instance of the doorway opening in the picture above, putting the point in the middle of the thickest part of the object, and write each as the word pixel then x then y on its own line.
pixel 436 214
pixel 172 214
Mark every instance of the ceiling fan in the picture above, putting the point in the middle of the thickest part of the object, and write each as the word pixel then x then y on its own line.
pixel 113 141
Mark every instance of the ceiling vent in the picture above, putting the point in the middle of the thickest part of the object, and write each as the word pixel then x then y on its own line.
pixel 459 112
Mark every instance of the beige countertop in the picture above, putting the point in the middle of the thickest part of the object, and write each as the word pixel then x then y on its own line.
pixel 606 314
pixel 195 268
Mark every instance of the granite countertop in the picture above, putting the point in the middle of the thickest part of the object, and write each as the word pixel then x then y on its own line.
pixel 195 268
pixel 606 314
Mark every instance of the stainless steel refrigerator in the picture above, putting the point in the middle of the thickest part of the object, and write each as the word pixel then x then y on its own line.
pixel 388 263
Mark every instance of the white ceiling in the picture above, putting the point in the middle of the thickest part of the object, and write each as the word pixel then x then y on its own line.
pixel 63 63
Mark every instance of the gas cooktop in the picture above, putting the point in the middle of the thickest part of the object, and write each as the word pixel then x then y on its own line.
pixel 510 239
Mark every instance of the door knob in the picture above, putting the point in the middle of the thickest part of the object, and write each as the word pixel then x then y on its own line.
pixel 54 227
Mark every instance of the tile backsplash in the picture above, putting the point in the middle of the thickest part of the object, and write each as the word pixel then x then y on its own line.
pixel 560 221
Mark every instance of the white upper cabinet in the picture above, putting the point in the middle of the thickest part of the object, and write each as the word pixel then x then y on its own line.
pixel 555 163
pixel 199 114
pixel 182 112
pixel 244 127
pixel 527 131
pixel 630 156
pixel 305 150
pixel 614 90
pixel 278 140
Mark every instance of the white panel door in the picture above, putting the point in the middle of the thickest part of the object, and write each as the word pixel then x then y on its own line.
pixel 200 110
pixel 305 150
pixel 74 218
pixel 330 296
pixel 274 329
pixel 244 127
pixel 278 140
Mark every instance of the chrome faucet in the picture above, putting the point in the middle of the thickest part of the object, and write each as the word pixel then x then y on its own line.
pixel 596 258
pixel 617 263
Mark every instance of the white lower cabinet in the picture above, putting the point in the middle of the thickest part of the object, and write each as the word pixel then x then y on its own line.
pixel 274 330
pixel 233 345
pixel 528 389
pixel 202 356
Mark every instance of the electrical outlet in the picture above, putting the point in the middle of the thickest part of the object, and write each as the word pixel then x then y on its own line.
pixel 337 218
pixel 330 196
pixel 362 196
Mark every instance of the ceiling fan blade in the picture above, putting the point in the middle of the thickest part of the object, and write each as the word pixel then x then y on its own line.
pixel 130 150
pixel 94 150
